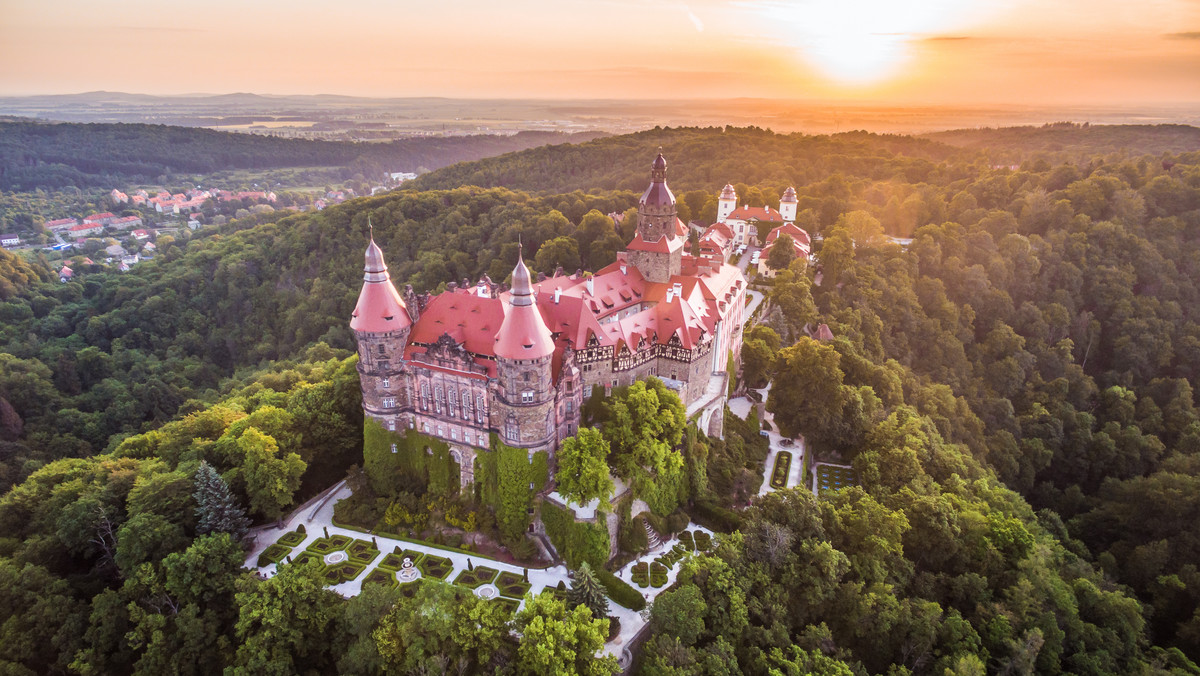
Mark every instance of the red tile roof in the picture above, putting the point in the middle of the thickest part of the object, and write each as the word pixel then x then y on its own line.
pixel 380 308
pixel 757 213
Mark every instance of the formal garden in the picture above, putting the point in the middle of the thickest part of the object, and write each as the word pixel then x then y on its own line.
pixel 783 465
pixel 834 477
pixel 653 574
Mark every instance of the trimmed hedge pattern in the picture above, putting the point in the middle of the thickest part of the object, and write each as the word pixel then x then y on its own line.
pixel 472 579
pixel 658 575
pixel 381 576
pixel 292 539
pixel 273 554
pixel 512 585
pixel 435 566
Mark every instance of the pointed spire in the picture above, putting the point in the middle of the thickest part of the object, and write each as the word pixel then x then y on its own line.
pixel 523 334
pixel 380 308
pixel 522 287
pixel 658 171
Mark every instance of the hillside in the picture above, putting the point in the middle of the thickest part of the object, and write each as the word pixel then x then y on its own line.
pixel 1015 391
pixel 37 154
pixel 700 158
pixel 1077 139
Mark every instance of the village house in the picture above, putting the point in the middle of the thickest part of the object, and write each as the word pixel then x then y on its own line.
pixel 8 241
pixel 801 247
pixel 85 229
pixel 59 224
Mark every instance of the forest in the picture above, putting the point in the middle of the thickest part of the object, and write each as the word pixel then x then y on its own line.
pixel 36 154
pixel 1014 389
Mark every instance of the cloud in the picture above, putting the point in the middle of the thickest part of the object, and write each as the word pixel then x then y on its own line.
pixel 1187 35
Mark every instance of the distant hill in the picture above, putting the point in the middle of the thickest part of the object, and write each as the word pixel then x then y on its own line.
pixel 43 155
pixel 698 159
pixel 1070 137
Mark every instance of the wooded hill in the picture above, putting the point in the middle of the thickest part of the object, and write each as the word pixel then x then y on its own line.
pixel 37 154
pixel 1015 391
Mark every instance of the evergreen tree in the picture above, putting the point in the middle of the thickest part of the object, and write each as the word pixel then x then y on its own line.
pixel 586 591
pixel 216 508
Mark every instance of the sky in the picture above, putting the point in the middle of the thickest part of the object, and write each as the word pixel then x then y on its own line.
pixel 956 52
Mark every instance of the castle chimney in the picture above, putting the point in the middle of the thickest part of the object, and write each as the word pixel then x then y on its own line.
pixel 590 286
pixel 623 268
pixel 557 295
pixel 670 294
pixel 679 289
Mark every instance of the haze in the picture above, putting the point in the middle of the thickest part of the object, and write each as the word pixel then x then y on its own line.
pixel 1073 52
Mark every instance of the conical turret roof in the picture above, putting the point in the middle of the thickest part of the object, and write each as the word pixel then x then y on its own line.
pixel 523 334
pixel 380 308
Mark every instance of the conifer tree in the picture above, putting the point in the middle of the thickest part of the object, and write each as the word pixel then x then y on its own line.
pixel 216 508
pixel 586 591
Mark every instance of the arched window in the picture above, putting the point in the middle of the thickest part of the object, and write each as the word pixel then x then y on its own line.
pixel 424 396
pixel 466 404
pixel 480 408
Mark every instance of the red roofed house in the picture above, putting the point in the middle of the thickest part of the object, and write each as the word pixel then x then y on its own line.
pixel 141 234
pixel 118 197
pixel 479 359
pixel 84 229
pixel 60 224
pixel 801 245
pixel 103 218
pixel 743 221
pixel 65 274
pixel 127 222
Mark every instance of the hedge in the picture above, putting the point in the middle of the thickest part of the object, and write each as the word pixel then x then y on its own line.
pixel 273 554
pixel 292 539
pixel 620 592
pixel 471 579
pixel 435 566
pixel 512 585
pixel 714 517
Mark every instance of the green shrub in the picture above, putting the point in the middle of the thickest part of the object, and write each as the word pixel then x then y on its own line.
pixel 658 575
pixel 471 579
pixel 576 541
pixel 687 541
pixel 703 541
pixel 512 585
pixel 714 517
pixel 291 539
pixel 362 552
pixel 273 554
pixel 435 566
pixel 640 574
pixel 381 576
pixel 619 592
pixel 509 605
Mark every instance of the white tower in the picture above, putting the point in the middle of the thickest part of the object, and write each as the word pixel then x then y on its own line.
pixel 787 205
pixel 726 203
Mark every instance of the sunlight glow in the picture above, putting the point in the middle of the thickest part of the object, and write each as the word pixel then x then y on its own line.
pixel 861 42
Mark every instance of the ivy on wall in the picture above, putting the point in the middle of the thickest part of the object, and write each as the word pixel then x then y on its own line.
pixel 396 461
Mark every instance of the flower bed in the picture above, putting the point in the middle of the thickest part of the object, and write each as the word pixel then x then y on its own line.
pixel 783 464
pixel 435 566
pixel 292 539
pixel 361 551
pixel 324 546
pixel 641 574
pixel 380 576
pixel 273 554
pixel 512 585
pixel 473 578
pixel 703 541
pixel 658 575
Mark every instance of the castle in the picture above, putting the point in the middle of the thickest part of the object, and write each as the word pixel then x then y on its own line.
pixel 480 359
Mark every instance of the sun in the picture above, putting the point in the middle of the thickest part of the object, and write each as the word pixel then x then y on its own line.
pixel 862 42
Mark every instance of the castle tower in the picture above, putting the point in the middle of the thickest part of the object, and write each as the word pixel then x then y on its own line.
pixel 524 409
pixel 657 249
pixel 787 205
pixel 381 325
pixel 726 203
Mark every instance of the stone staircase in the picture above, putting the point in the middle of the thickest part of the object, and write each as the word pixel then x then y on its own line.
pixel 651 536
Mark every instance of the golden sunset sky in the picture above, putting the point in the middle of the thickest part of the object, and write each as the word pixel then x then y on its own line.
pixel 1033 52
